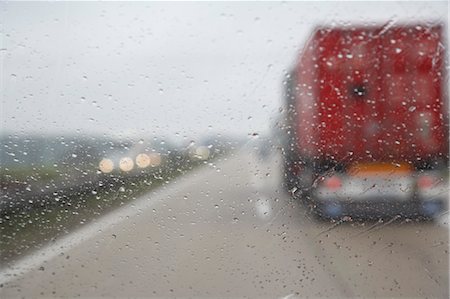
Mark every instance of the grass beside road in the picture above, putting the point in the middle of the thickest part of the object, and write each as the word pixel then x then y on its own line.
pixel 26 230
pixel 21 175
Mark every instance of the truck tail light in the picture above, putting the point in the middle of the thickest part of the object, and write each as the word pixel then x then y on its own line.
pixel 332 182
pixel 425 182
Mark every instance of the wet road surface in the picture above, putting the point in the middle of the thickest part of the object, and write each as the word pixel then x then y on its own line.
pixel 229 230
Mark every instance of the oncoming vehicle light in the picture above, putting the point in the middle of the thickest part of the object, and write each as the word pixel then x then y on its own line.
pixel 126 164
pixel 106 165
pixel 155 159
pixel 142 160
pixel 202 152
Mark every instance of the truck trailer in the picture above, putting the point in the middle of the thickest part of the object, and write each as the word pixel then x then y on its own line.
pixel 365 127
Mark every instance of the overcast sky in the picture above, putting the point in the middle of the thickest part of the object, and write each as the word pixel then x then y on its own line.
pixel 170 69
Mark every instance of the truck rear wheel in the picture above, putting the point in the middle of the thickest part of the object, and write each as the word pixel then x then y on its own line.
pixel 290 181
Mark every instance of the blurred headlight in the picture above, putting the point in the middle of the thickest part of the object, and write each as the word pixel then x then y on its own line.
pixel 202 152
pixel 106 165
pixel 142 160
pixel 155 159
pixel 126 164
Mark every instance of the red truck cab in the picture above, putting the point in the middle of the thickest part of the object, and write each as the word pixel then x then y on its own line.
pixel 367 120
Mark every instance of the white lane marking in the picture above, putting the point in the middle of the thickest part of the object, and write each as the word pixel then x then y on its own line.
pixel 263 208
pixel 443 221
pixel 37 258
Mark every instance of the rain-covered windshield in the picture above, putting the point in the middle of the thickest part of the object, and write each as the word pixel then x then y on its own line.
pixel 224 150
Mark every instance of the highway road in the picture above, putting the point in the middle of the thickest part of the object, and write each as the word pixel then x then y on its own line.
pixel 229 230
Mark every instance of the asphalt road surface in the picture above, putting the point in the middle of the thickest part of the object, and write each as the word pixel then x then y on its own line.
pixel 229 230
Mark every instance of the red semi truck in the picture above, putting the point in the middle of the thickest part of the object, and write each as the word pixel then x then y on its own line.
pixel 366 121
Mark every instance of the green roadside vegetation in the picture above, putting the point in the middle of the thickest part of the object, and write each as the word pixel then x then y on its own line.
pixel 25 230
pixel 18 175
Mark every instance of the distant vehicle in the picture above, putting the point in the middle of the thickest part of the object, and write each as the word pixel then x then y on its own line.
pixel 366 121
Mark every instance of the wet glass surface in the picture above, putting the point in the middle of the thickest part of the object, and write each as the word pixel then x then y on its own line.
pixel 274 150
